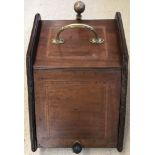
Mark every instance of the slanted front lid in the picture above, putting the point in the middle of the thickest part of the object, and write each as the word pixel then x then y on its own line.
pixel 77 51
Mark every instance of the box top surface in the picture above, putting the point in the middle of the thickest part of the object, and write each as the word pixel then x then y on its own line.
pixel 77 51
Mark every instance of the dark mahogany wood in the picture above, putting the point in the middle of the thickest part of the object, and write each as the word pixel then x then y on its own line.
pixel 77 105
pixel 30 58
pixel 77 51
pixel 124 78
pixel 77 90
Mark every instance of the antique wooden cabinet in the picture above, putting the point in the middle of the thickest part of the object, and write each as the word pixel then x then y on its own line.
pixel 77 86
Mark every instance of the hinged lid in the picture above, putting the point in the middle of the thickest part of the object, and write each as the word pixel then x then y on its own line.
pixel 85 44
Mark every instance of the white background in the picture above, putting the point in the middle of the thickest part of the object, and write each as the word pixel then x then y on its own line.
pixel 142 63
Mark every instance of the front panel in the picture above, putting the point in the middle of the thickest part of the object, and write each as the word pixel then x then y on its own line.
pixel 77 105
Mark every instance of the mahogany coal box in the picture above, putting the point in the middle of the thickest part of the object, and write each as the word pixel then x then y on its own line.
pixel 77 83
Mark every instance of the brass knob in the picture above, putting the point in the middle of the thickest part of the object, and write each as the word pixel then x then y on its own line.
pixel 79 7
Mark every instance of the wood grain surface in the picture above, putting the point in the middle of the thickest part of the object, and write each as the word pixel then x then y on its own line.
pixel 69 71
pixel 77 51
pixel 77 106
pixel 124 80
pixel 30 57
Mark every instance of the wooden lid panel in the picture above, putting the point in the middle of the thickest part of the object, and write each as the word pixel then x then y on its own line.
pixel 77 51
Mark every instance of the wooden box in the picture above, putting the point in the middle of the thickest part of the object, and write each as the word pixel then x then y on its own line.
pixel 77 90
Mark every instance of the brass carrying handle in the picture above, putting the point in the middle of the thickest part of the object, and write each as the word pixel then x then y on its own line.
pixel 95 40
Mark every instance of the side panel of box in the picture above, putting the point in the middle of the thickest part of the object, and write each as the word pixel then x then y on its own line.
pixel 124 79
pixel 30 57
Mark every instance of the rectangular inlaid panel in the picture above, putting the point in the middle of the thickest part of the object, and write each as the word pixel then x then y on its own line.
pixel 74 48
pixel 77 51
pixel 77 105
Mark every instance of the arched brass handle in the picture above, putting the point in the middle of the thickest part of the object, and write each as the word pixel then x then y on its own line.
pixel 95 40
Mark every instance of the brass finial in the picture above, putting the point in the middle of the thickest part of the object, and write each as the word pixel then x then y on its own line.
pixel 79 7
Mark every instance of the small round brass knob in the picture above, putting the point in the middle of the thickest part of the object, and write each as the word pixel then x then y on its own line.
pixel 79 7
